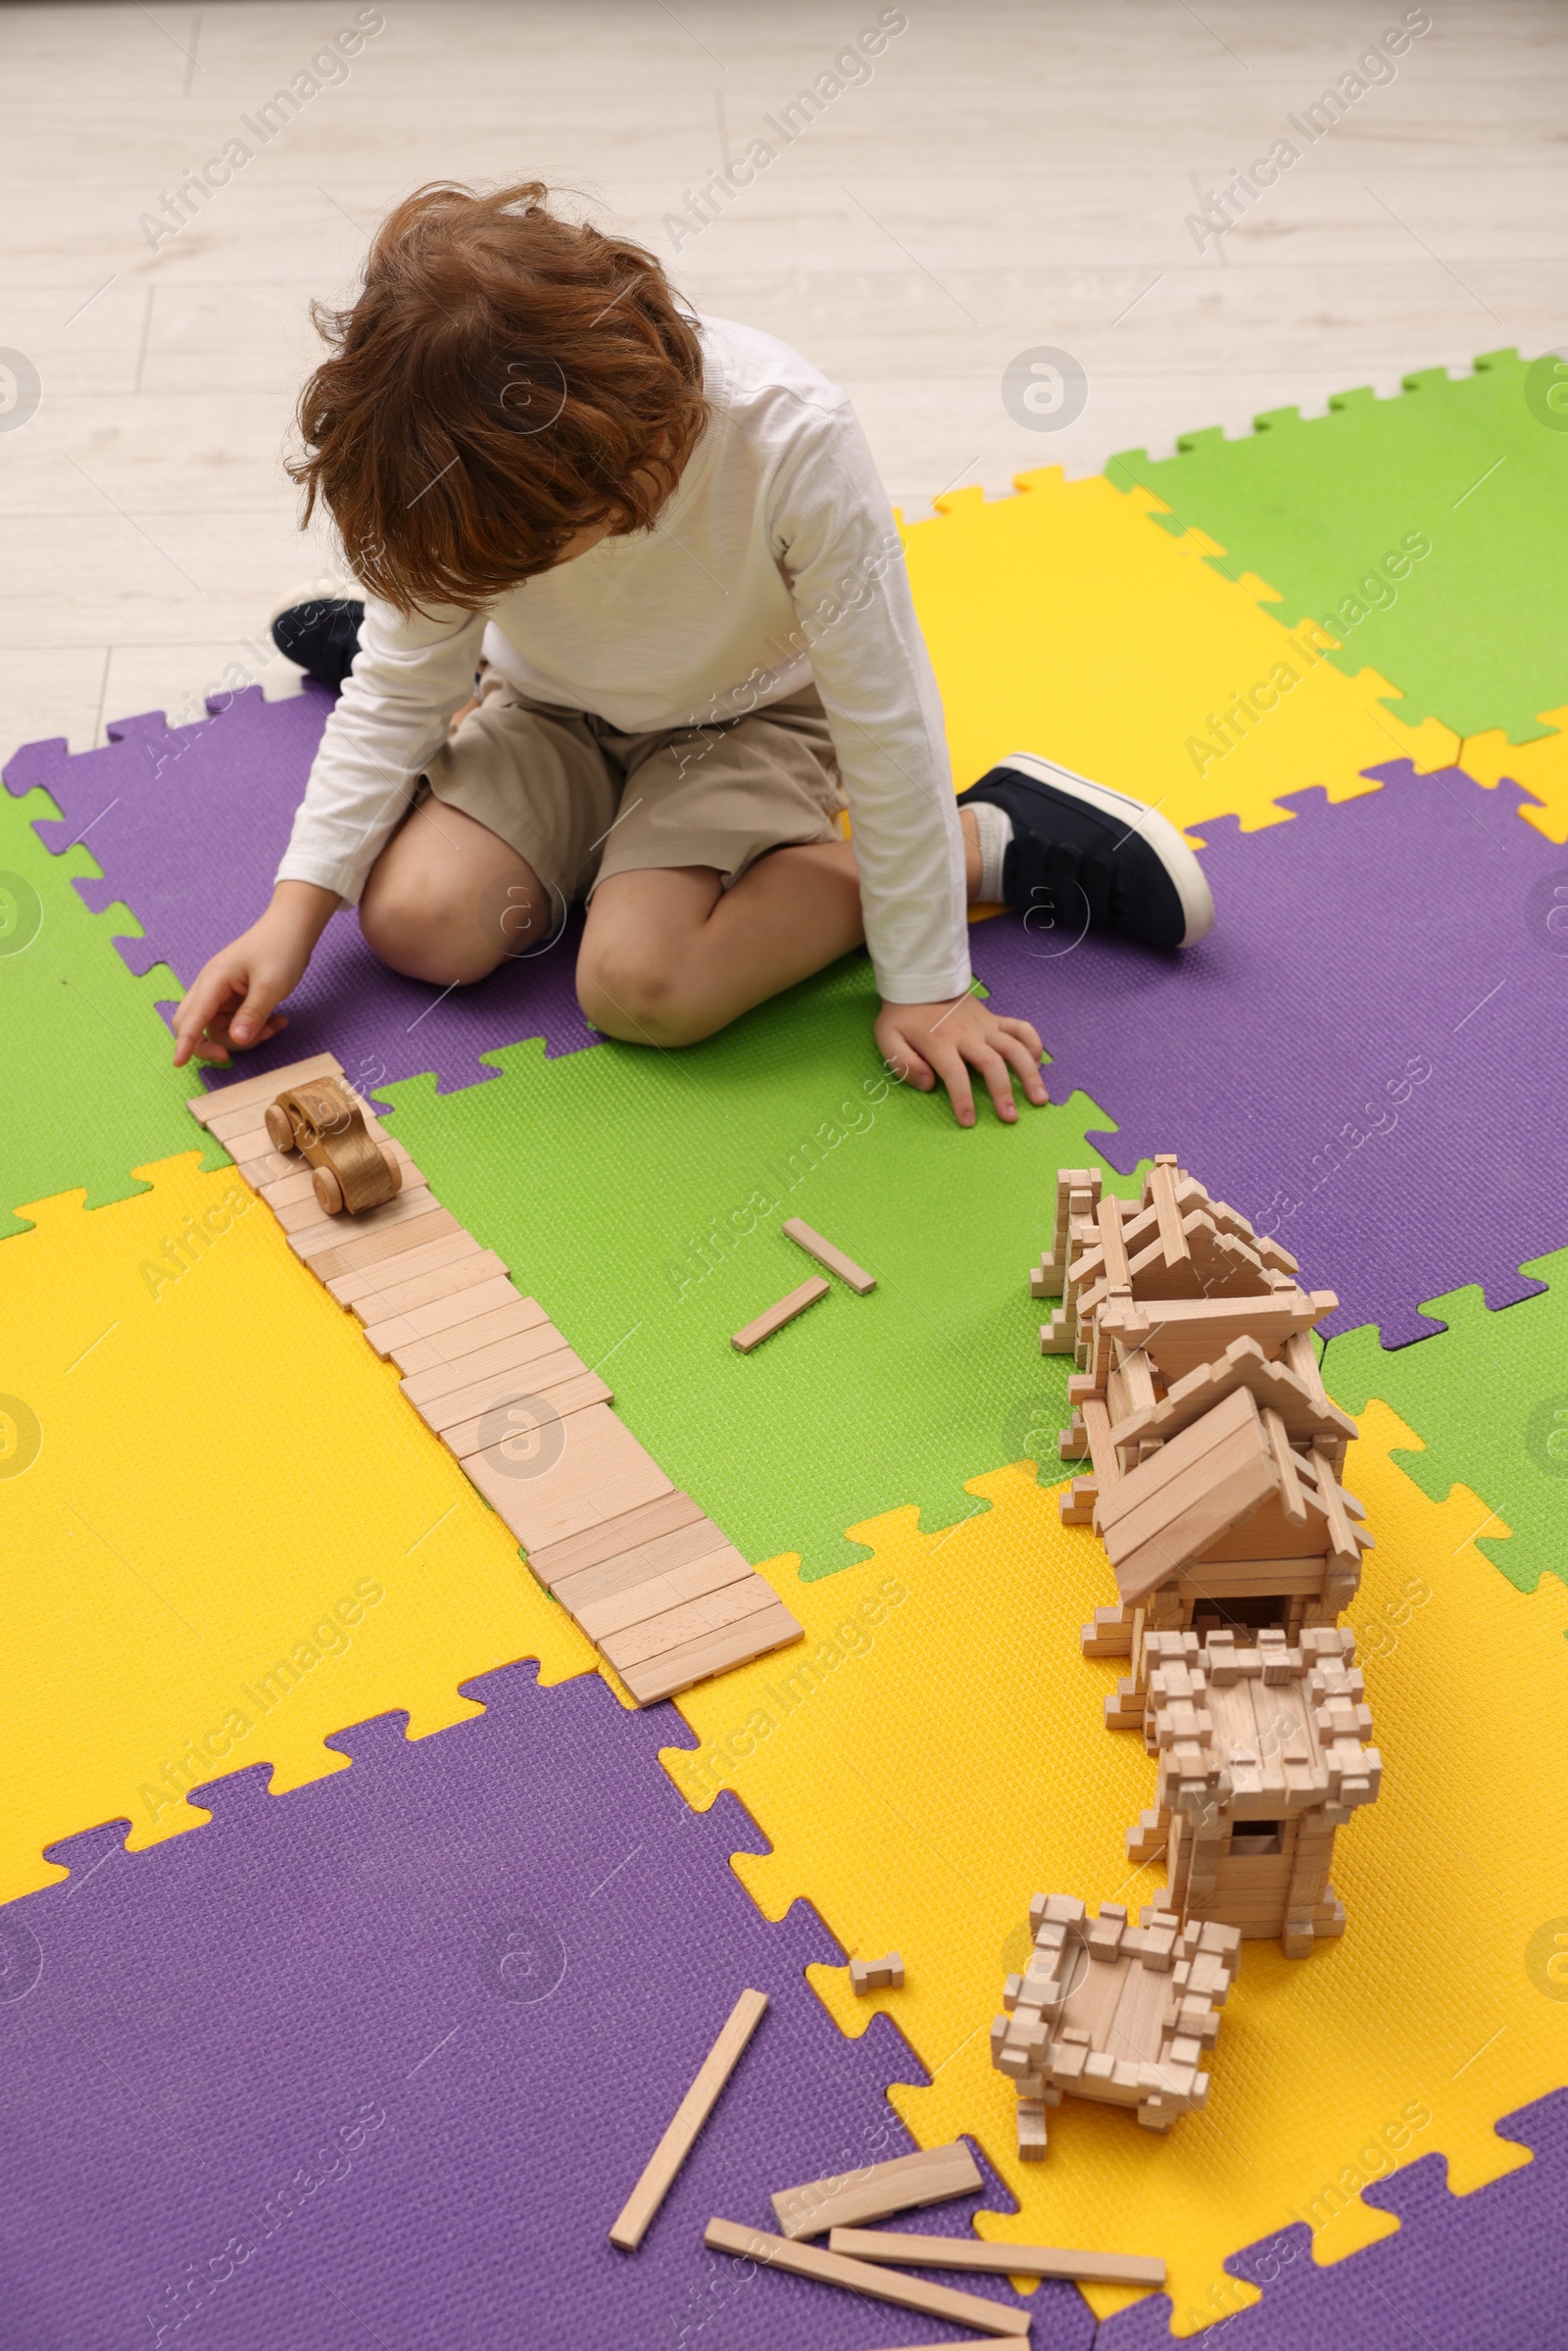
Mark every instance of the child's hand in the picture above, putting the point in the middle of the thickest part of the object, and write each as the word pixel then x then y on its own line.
pixel 231 1005
pixel 921 1043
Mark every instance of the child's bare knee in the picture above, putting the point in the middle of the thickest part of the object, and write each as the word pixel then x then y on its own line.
pixel 640 999
pixel 414 934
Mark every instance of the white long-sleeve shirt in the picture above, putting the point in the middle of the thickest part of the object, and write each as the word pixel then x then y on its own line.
pixel 776 563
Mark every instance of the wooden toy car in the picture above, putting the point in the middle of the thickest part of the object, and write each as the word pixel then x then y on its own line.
pixel 322 1120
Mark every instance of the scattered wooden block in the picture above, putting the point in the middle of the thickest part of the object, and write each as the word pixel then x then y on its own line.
pixel 906 2184
pixel 826 1254
pixel 631 2223
pixel 663 1676
pixel 998 2261
pixel 871 2279
pixel 876 1975
pixel 777 1317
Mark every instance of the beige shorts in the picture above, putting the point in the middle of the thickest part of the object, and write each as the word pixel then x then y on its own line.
pixel 580 800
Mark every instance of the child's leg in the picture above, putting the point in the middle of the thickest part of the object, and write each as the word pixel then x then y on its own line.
pixel 667 957
pixel 447 899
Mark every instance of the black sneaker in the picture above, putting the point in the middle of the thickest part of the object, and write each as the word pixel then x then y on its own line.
pixel 322 636
pixel 1083 856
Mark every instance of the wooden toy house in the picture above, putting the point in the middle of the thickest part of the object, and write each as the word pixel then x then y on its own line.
pixel 1112 2012
pixel 1262 1757
pixel 1216 1454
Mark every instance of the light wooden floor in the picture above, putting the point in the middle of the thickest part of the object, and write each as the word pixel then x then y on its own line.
pixel 1011 175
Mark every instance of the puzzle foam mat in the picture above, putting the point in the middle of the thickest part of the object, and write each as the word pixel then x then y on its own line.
pixel 1514 1449
pixel 428 2014
pixel 1408 528
pixel 153 791
pixel 199 1468
pixel 642 1194
pixel 870 1779
pixel 223 1537
pixel 1060 620
pixel 1375 1010
pixel 1478 2272
pixel 90 1084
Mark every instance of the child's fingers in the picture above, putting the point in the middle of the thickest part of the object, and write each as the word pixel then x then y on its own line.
pixel 215 1045
pixel 997 1078
pixel 1024 1030
pixel 199 1014
pixel 949 1067
pixel 1019 1055
pixel 247 1024
pixel 907 1067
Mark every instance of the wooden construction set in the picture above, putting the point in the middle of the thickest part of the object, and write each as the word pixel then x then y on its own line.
pixel 665 1597
pixel 863 2261
pixel 774 1317
pixel 1217 1461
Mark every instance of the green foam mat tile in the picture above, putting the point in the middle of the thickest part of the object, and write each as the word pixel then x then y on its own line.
pixel 1489 1397
pixel 1331 512
pixel 639 1194
pixel 91 1087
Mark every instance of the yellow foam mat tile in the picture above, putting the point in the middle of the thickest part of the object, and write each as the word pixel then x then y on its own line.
pixel 222 1532
pixel 1062 621
pixel 935 1755
pixel 1539 767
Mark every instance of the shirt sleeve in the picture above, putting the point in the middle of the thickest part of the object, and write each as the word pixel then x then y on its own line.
pixel 835 538
pixel 409 677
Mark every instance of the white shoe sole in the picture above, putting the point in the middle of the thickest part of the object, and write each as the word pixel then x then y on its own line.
pixel 1179 861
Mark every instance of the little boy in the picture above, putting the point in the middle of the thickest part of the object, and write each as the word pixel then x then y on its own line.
pixel 661 543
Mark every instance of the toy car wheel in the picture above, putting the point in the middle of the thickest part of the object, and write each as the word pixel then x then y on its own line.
pixel 279 1128
pixel 328 1191
pixel 394 1168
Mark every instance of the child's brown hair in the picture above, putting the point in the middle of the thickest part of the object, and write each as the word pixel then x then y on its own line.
pixel 506 379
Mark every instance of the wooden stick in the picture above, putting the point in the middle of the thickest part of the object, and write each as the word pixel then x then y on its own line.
pixel 930 2176
pixel 868 2277
pixel 630 2224
pixel 998 2261
pixel 1279 1445
pixel 826 1254
pixel 776 1316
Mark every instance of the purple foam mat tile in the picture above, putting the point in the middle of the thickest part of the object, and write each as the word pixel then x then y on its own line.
pixel 1487 2272
pixel 1353 949
pixel 376 2061
pixel 188 824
